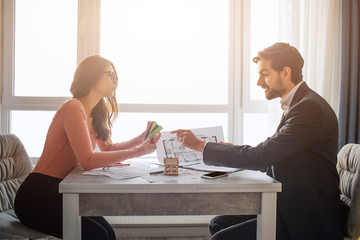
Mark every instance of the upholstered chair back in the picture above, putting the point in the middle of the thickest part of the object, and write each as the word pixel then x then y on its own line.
pixel 348 167
pixel 15 165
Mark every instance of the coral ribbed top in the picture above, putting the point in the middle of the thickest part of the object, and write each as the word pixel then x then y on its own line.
pixel 71 141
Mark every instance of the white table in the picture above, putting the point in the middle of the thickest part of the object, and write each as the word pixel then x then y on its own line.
pixel 241 193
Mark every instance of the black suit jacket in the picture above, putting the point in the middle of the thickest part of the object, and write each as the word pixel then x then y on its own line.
pixel 302 155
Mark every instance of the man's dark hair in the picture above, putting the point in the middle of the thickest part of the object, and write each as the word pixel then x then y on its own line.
pixel 283 55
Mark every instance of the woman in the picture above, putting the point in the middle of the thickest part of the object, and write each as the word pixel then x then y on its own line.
pixel 78 125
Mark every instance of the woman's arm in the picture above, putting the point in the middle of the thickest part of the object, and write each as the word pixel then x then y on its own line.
pixel 77 131
pixel 136 141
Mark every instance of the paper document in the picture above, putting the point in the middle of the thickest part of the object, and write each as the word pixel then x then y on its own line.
pixel 169 147
pixel 184 174
pixel 119 172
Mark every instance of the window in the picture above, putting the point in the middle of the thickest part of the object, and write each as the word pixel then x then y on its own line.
pixel 182 63
pixel 177 61
pixel 40 56
pixel 260 118
pixel 45 47
pixel 172 55
pixel 173 52
pixel 263 33
pixel 31 131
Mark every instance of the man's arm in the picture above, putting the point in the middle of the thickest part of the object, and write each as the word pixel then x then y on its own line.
pixel 302 127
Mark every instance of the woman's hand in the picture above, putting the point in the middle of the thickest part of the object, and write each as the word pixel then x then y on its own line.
pixel 143 134
pixel 155 139
pixel 148 146
pixel 188 139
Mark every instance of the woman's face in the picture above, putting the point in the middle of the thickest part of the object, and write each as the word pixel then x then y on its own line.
pixel 106 86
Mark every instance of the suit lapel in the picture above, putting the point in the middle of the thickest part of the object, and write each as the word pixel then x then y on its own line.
pixel 282 121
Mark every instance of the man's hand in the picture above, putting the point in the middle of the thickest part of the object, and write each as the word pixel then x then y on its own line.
pixel 189 140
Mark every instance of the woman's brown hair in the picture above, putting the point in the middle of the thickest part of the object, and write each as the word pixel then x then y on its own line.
pixel 89 71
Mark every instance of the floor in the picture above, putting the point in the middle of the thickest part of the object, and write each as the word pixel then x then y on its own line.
pixel 171 238
pixel 163 233
pixel 154 233
pixel 149 238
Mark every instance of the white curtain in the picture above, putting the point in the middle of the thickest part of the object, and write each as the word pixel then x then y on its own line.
pixel 314 28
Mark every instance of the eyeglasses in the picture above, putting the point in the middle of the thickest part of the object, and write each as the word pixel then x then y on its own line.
pixel 113 76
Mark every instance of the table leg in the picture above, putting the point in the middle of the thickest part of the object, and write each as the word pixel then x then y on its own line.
pixel 71 218
pixel 266 221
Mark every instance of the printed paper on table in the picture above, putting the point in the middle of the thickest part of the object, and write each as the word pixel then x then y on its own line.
pixel 169 147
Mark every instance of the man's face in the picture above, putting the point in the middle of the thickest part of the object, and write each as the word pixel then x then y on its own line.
pixel 270 80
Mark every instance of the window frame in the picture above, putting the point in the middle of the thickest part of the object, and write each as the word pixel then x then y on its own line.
pixel 239 101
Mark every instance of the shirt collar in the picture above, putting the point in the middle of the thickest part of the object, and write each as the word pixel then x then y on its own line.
pixel 286 101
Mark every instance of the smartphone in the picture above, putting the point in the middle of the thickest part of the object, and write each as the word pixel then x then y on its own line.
pixel 214 175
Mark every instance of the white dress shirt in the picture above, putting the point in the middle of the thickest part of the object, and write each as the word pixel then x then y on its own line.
pixel 286 101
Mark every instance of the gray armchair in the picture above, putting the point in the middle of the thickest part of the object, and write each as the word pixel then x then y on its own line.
pixel 348 167
pixel 15 165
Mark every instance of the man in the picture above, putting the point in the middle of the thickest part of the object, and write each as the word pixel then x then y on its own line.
pixel 301 154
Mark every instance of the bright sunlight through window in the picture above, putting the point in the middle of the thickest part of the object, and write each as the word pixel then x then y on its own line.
pixel 45 47
pixel 166 51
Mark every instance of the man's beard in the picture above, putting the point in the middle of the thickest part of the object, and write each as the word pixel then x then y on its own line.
pixel 274 93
